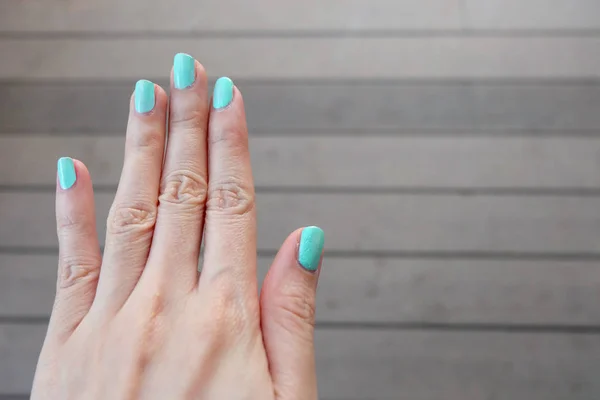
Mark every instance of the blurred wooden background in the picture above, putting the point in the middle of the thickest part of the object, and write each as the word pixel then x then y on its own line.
pixel 449 148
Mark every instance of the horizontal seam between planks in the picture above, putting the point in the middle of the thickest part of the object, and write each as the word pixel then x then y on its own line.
pixel 365 190
pixel 466 82
pixel 381 254
pixel 302 33
pixel 397 326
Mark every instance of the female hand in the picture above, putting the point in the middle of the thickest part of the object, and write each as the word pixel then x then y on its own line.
pixel 142 322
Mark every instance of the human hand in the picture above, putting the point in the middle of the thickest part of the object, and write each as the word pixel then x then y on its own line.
pixel 140 322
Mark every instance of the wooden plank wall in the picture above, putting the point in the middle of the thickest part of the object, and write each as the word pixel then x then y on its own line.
pixel 450 149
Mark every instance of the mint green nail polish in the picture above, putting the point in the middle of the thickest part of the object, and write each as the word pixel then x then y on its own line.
pixel 66 172
pixel 223 93
pixel 144 96
pixel 312 240
pixel 184 70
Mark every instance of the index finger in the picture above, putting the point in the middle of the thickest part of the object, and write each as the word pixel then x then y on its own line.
pixel 230 230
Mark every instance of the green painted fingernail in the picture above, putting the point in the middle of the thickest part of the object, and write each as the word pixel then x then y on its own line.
pixel 223 93
pixel 312 240
pixel 144 96
pixel 66 172
pixel 184 70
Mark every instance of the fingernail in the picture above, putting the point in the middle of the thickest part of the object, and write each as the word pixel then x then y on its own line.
pixel 66 172
pixel 144 96
pixel 223 92
pixel 312 240
pixel 184 70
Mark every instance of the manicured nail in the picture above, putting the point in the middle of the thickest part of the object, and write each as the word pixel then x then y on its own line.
pixel 144 96
pixel 312 240
pixel 223 93
pixel 66 172
pixel 184 70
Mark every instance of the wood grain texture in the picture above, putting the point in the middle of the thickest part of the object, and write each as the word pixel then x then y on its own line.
pixel 360 107
pixel 227 16
pixel 352 16
pixel 346 161
pixel 390 290
pixel 458 365
pixel 365 222
pixel 285 58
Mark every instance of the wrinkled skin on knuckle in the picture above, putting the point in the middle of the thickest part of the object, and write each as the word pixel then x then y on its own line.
pixel 184 188
pixel 231 198
pixel 78 269
pixel 294 312
pixel 135 218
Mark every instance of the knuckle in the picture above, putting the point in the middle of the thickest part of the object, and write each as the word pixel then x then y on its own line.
pixel 231 197
pixel 226 319
pixel 136 217
pixel 73 223
pixel 212 329
pixel 232 309
pixel 233 138
pixel 148 138
pixel 295 312
pixel 65 222
pixel 188 119
pixel 184 187
pixel 78 269
pixel 146 318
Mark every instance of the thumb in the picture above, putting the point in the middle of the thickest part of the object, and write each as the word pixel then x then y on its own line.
pixel 288 314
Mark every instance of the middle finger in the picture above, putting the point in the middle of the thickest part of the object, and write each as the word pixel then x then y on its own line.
pixel 182 198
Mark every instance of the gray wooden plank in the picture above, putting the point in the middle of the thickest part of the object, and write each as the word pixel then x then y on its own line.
pixel 366 222
pixel 217 16
pixel 510 15
pixel 28 284
pixel 283 58
pixel 346 161
pixel 456 366
pixel 273 16
pixel 406 364
pixel 19 349
pixel 363 107
pixel 389 290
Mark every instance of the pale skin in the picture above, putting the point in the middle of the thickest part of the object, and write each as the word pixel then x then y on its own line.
pixel 140 321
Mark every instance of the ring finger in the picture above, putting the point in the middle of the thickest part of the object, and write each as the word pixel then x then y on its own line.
pixel 131 220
